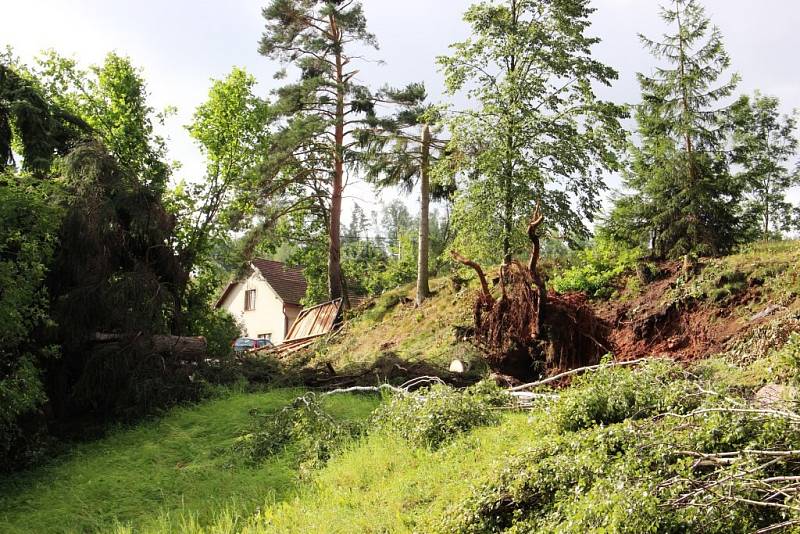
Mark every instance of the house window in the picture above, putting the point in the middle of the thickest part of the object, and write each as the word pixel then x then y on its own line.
pixel 265 336
pixel 250 300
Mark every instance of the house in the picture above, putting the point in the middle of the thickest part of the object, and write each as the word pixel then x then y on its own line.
pixel 267 301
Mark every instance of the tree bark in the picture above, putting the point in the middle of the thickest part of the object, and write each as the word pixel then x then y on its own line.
pixel 423 289
pixel 186 348
pixel 508 186
pixel 335 285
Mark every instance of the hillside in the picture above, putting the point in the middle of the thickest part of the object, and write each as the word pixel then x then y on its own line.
pixel 736 304
pixel 688 441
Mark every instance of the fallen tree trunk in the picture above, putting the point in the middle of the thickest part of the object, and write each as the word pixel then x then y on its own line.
pixel 184 348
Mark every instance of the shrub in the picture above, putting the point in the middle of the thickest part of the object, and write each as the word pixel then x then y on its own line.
pixel 219 328
pixel 432 416
pixel 28 225
pixel 596 269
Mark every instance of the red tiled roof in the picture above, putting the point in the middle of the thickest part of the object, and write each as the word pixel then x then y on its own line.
pixel 288 282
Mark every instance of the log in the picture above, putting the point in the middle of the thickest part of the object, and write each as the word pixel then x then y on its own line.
pixel 185 348
pixel 188 348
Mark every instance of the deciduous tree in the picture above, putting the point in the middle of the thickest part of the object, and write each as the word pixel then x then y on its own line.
pixel 538 132
pixel 764 143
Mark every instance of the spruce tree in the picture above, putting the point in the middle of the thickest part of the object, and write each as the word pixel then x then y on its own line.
pixel 685 199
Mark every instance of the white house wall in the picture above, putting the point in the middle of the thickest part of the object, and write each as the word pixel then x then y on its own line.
pixel 268 316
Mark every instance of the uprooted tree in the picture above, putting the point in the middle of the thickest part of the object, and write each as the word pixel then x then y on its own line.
pixel 527 331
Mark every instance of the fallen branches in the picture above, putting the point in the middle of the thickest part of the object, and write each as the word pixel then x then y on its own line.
pixel 791 416
pixel 403 389
pixel 579 370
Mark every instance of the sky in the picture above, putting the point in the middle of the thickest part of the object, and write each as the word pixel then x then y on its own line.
pixel 181 45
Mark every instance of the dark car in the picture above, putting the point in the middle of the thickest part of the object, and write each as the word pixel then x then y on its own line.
pixel 244 344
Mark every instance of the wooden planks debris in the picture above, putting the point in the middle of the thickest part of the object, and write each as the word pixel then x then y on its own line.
pixel 310 325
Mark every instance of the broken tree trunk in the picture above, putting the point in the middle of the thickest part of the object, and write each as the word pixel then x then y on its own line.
pixel 528 332
pixel 184 348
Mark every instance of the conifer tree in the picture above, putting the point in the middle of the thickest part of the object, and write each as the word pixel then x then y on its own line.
pixel 403 149
pixel 323 40
pixel 685 199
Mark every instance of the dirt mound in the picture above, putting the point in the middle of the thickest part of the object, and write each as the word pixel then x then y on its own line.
pixel 525 336
pixel 684 329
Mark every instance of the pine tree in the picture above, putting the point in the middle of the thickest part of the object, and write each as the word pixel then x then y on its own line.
pixel 685 200
pixel 323 110
pixel 764 143
pixel 402 151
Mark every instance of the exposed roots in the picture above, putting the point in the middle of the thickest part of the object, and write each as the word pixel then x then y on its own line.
pixel 527 332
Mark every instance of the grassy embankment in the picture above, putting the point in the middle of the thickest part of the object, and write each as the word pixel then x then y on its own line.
pixel 599 454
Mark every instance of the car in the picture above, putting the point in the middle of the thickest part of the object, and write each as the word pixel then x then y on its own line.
pixel 243 344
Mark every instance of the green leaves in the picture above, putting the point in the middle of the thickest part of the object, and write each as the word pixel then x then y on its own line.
pixel 764 142
pixel 538 133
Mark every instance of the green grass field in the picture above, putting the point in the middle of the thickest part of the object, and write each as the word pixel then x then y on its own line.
pixel 178 466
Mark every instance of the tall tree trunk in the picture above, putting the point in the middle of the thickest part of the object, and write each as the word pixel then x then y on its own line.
pixel 767 207
pixel 423 290
pixel 508 208
pixel 335 285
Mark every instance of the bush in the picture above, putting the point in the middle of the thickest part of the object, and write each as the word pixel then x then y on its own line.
pixel 596 269
pixel 220 329
pixel 28 224
pixel 432 416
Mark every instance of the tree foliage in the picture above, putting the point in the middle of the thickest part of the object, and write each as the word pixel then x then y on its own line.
pixel 764 143
pixel 684 198
pixel 538 133
pixel 325 110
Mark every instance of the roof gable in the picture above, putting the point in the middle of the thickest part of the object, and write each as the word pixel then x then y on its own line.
pixel 288 282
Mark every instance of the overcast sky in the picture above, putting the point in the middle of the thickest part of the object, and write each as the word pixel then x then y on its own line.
pixel 181 44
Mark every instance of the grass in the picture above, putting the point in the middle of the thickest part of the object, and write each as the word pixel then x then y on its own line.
pixel 178 474
pixel 178 466
pixel 405 331
pixel 771 267
pixel 384 484
pixel 381 484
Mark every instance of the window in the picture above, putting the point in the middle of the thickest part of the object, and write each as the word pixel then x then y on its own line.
pixel 250 300
pixel 265 336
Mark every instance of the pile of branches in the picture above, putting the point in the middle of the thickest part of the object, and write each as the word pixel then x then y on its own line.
pixel 527 331
pixel 765 479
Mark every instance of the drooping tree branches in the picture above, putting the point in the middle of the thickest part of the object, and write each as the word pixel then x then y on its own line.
pixel 44 130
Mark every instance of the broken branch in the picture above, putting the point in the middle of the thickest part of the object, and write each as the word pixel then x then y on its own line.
pixel 577 371
pixel 469 263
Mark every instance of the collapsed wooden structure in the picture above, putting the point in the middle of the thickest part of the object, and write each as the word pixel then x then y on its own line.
pixel 310 325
